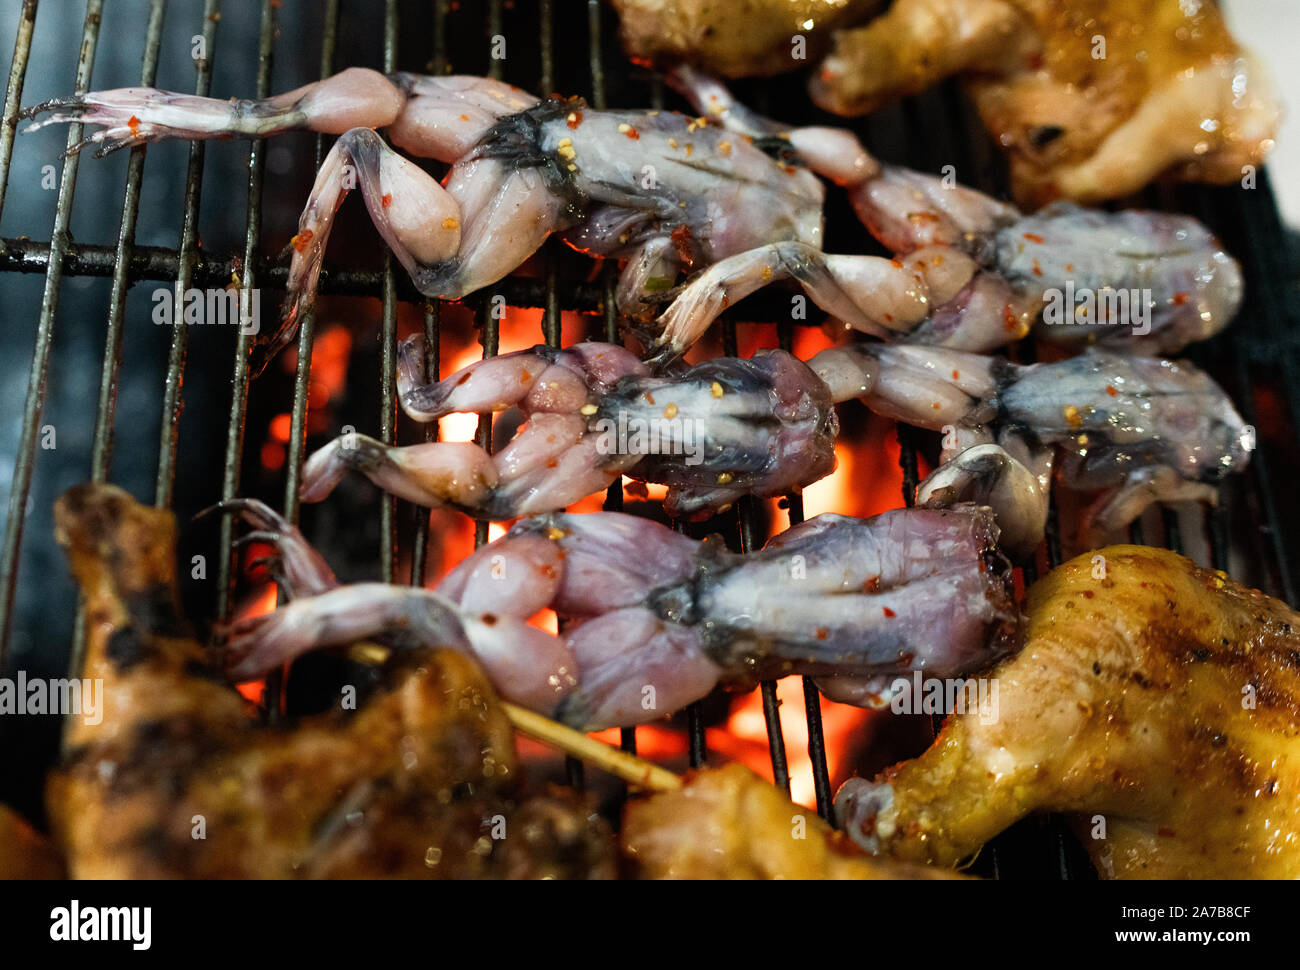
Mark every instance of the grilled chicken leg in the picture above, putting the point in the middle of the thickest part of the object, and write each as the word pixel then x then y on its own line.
pixel 179 780
pixel 727 823
pixel 1092 98
pixel 1156 702
pixel 735 38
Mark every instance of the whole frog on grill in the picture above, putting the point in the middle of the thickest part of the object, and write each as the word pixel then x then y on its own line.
pixel 727 198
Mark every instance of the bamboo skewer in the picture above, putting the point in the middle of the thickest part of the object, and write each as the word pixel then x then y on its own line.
pixel 630 768
pixel 633 770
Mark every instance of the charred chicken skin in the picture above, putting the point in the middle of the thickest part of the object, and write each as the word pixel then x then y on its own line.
pixel 181 780
pixel 1092 98
pixel 1156 702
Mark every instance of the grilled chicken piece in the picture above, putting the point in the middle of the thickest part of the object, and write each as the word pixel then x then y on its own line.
pixel 180 780
pixel 737 38
pixel 1092 98
pixel 1159 705
pixel 24 852
pixel 727 823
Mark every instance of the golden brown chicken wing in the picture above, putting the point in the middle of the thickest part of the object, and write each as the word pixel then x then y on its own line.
pixel 1157 702
pixel 180 780
pixel 727 823
pixel 1092 98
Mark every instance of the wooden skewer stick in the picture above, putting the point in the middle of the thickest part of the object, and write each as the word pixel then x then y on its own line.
pixel 630 768
pixel 633 770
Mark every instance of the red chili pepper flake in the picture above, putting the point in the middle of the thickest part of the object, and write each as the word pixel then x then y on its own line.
pixel 134 124
pixel 889 318
pixel 574 119
pixel 1009 318
pixel 525 376
pixel 1111 391
pixel 897 263
pixel 1087 594
pixel 632 133
pixel 956 375
pixel 387 200
pixel 301 241
pixel 822 633
pixel 872 585
pixel 1069 267
pixel 889 614
pixel 1180 299
pixel 1038 270
pixel 1034 237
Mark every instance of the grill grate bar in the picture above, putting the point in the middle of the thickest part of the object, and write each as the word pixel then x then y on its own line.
pixel 273 695
pixel 811 696
pixel 14 92
pixel 248 282
pixel 432 326
pixel 307 322
pixel 36 381
pixel 171 411
pixel 161 263
pixel 1264 255
pixel 103 437
pixel 749 543
pixel 102 440
pixel 387 375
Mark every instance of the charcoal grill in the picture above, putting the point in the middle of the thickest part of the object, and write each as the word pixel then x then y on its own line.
pixel 567 47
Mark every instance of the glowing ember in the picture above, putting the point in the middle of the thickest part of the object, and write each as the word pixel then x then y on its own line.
pixel 260 602
pixel 744 737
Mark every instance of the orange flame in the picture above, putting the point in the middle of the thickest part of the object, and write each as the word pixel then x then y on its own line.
pixel 262 601
pixel 866 481
pixel 744 737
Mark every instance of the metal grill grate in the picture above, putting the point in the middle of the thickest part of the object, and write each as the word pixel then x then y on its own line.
pixel 1258 355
